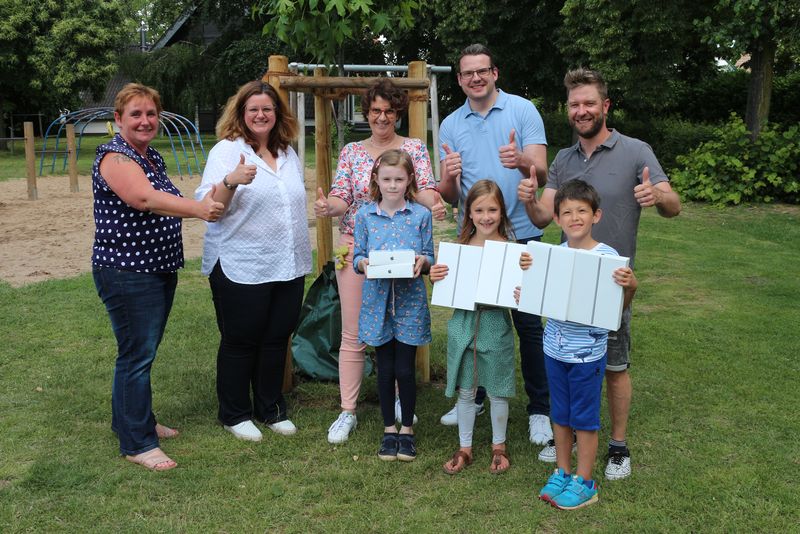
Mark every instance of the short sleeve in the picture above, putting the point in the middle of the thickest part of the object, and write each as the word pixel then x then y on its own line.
pixel 344 180
pixel 532 126
pixel 422 164
pixel 647 158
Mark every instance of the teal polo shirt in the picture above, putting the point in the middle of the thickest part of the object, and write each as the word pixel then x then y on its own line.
pixel 478 139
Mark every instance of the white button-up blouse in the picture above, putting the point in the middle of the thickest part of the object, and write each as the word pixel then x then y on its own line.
pixel 263 235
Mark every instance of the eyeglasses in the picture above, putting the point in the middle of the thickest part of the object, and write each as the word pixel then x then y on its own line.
pixel 266 110
pixel 482 73
pixel 375 112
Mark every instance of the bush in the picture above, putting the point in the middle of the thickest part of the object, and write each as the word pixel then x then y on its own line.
pixel 730 169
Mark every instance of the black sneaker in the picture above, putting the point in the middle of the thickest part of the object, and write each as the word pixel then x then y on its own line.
pixel 407 449
pixel 388 450
pixel 619 464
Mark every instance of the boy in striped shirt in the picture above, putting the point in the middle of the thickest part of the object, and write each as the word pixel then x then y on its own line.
pixel 576 359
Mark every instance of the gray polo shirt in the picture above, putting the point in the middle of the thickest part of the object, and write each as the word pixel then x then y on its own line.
pixel 614 169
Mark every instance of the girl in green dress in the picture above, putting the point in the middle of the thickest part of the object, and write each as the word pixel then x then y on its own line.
pixel 480 343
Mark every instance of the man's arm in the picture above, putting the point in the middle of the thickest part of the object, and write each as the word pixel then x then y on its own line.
pixel 450 172
pixel 535 155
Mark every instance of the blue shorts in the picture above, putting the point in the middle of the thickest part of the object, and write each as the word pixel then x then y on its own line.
pixel 575 390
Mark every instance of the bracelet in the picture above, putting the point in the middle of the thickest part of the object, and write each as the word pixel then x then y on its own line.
pixel 229 186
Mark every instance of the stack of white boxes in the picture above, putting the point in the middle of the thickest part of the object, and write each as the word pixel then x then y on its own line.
pixel 563 283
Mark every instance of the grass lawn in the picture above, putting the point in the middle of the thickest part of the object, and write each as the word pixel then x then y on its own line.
pixel 713 430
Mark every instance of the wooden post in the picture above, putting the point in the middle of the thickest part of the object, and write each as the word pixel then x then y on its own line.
pixel 418 127
pixel 322 142
pixel 278 65
pixel 30 160
pixel 72 159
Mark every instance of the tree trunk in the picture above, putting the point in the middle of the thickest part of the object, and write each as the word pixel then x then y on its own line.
pixel 759 91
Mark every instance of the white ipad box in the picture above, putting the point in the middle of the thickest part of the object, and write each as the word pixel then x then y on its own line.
pixel 391 264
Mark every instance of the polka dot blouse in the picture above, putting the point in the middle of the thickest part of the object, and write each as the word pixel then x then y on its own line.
pixel 126 238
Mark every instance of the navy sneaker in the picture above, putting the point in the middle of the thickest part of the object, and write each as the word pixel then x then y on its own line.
pixel 388 450
pixel 407 450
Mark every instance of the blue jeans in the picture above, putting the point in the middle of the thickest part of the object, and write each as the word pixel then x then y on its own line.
pixel 138 305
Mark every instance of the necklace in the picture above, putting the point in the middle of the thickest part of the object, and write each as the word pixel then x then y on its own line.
pixel 382 146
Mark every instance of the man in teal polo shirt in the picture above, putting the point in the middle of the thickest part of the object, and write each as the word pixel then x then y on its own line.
pixel 499 136
pixel 627 177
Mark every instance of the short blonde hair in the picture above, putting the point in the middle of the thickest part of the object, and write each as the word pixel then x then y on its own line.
pixel 393 158
pixel 133 90
pixel 231 124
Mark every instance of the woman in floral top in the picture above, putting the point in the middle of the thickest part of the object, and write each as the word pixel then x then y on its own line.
pixel 382 103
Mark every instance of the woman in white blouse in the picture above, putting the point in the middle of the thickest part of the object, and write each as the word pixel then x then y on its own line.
pixel 256 256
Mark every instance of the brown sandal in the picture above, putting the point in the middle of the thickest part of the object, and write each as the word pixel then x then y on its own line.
pixel 497 460
pixel 454 461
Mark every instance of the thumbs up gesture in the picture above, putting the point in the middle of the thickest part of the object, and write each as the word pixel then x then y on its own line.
pixel 645 193
pixel 438 211
pixel 526 190
pixel 452 163
pixel 510 155
pixel 321 206
pixel 242 174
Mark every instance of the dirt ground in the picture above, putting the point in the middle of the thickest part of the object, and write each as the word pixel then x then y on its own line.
pixel 52 237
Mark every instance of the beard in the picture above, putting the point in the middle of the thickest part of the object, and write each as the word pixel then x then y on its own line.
pixel 597 125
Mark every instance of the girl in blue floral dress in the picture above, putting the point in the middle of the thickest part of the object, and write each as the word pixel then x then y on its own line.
pixel 394 315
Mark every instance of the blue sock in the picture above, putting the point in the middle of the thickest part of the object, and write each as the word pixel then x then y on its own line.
pixel 589 484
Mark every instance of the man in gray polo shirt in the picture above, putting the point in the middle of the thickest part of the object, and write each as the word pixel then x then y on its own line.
pixel 628 177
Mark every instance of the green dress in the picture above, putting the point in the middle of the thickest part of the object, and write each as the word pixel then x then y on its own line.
pixel 494 356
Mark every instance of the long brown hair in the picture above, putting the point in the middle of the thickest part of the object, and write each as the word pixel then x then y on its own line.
pixel 231 124
pixel 393 158
pixel 479 189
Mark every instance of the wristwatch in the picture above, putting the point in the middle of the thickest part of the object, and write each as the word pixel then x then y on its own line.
pixel 229 186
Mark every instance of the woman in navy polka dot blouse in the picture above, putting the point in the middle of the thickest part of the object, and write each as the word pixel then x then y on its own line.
pixel 136 255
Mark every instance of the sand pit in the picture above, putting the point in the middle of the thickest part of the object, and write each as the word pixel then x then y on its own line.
pixel 52 237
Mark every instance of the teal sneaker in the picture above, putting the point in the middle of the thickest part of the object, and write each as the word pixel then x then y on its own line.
pixel 576 495
pixel 555 485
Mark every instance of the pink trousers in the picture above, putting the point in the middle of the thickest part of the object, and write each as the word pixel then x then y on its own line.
pixel 351 352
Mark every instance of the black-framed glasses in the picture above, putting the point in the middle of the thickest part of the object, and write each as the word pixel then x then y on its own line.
pixel 482 73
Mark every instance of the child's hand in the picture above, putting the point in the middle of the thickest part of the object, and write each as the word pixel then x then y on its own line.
pixel 362 265
pixel 517 291
pixel 525 261
pixel 624 276
pixel 438 272
pixel 420 264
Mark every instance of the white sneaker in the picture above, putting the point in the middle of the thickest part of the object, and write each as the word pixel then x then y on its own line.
pixel 245 430
pixel 339 431
pixel 451 417
pixel 539 429
pixel 619 466
pixel 548 453
pixel 285 427
pixel 398 412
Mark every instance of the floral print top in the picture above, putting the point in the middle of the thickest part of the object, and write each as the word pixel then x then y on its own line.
pixel 351 182
pixel 394 308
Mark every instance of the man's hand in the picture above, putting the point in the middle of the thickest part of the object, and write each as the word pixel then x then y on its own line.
pixel 646 194
pixel 452 163
pixel 526 190
pixel 510 155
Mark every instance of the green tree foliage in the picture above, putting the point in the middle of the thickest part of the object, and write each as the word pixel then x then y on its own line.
pixel 647 54
pixel 731 169
pixel 52 50
pixel 759 28
pixel 320 28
